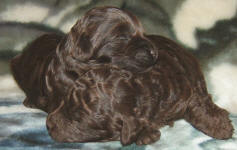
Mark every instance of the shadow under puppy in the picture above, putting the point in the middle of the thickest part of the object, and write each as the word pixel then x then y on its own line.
pixel 107 80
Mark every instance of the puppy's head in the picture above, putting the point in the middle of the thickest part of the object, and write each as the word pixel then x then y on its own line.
pixel 105 35
pixel 28 68
pixel 102 31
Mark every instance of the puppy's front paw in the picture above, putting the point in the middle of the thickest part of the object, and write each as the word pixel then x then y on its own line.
pixel 148 136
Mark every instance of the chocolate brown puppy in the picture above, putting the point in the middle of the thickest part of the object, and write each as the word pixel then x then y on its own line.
pixel 107 80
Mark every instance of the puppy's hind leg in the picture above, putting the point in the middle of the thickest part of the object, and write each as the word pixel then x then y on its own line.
pixel 207 117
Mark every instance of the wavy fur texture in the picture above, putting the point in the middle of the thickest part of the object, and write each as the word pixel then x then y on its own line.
pixel 107 80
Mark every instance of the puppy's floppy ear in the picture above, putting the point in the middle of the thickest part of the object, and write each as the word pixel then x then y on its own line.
pixel 31 100
pixel 28 68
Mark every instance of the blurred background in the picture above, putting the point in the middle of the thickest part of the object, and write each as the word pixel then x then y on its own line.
pixel 206 28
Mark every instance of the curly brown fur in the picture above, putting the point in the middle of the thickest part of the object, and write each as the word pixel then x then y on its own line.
pixel 106 80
